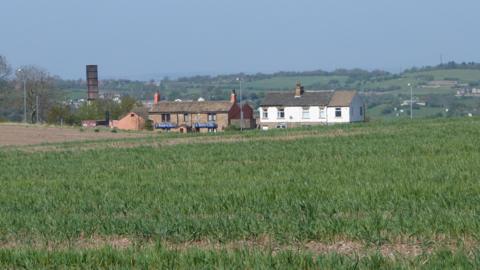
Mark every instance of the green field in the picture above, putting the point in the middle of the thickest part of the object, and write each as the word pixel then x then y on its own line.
pixel 422 112
pixel 401 194
pixel 285 83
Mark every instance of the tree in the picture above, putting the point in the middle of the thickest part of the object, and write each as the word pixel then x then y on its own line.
pixel 5 68
pixel 39 84
pixel 8 107
pixel 59 114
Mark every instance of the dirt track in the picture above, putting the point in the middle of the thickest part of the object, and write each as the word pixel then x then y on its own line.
pixel 16 135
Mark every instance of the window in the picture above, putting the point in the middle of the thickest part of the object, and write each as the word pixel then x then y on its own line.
pixel 361 111
pixel 212 117
pixel 322 112
pixel 265 113
pixel 165 117
pixel 306 113
pixel 281 125
pixel 185 117
pixel 281 113
pixel 338 112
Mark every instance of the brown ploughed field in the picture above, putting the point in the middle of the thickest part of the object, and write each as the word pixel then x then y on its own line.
pixel 17 134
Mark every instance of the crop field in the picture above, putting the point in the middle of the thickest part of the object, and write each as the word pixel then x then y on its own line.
pixel 401 194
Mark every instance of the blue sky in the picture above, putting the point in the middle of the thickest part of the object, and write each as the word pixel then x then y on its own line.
pixel 148 38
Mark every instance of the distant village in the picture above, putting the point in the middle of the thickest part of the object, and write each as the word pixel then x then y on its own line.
pixel 297 108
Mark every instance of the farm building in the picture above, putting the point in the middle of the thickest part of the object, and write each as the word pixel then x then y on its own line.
pixel 134 120
pixel 200 116
pixel 305 108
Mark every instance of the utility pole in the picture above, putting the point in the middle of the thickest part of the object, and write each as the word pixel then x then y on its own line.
pixel 24 101
pixel 411 101
pixel 241 107
pixel 36 109
pixel 24 94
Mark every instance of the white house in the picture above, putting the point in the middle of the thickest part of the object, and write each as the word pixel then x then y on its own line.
pixel 305 108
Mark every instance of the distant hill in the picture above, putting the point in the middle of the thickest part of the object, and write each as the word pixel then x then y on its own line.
pixel 378 87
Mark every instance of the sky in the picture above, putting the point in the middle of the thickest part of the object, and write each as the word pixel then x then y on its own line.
pixel 146 39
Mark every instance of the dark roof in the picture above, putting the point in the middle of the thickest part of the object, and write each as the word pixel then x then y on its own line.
pixel 288 99
pixel 309 98
pixel 191 106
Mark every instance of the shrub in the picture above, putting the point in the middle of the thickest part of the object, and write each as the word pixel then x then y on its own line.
pixel 149 125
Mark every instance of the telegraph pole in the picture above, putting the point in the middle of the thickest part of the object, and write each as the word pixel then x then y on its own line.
pixel 411 101
pixel 24 94
pixel 36 109
pixel 241 107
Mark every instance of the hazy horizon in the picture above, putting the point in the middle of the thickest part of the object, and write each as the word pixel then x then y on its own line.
pixel 151 38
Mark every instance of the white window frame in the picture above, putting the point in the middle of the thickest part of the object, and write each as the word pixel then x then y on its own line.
pixel 338 110
pixel 323 113
pixel 305 112
pixel 265 113
pixel 280 110
pixel 212 117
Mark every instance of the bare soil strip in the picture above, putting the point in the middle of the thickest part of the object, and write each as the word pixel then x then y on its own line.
pixel 407 249
pixel 21 135
pixel 161 142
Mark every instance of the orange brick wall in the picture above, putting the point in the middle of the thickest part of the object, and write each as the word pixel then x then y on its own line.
pixel 130 122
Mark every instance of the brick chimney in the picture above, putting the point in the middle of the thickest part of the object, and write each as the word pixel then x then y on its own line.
pixel 299 89
pixel 233 97
pixel 156 98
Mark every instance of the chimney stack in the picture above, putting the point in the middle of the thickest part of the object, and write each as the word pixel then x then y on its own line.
pixel 92 82
pixel 299 90
pixel 233 97
pixel 156 98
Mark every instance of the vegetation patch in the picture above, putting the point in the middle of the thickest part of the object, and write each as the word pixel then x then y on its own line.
pixel 393 194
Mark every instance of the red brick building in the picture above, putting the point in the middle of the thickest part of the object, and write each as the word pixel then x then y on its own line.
pixel 200 116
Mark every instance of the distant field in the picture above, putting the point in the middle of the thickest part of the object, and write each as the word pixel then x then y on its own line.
pixel 462 75
pixel 284 83
pixel 376 112
pixel 377 195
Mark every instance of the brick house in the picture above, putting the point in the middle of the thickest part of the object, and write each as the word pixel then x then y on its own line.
pixel 199 116
pixel 134 120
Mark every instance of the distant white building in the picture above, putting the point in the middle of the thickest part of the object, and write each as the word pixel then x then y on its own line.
pixel 305 108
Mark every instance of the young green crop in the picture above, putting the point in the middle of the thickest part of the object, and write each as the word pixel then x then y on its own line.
pixel 372 184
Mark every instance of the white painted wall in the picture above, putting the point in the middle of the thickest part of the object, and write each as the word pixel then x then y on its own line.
pixel 292 115
pixel 295 114
pixel 332 119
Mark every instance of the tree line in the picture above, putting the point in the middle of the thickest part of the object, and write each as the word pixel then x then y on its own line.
pixel 45 100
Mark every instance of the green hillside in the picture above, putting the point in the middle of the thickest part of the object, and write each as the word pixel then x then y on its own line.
pixel 383 92
pixel 374 195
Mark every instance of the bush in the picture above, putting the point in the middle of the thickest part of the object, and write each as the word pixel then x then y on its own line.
pixel 232 128
pixel 387 110
pixel 149 125
pixel 96 130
